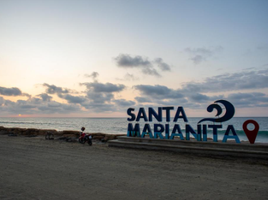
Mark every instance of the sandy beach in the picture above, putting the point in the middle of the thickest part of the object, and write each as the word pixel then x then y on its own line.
pixel 35 168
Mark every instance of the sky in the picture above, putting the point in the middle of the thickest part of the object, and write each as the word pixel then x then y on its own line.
pixel 97 58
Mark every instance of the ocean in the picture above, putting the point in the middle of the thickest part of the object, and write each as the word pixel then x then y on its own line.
pixel 119 125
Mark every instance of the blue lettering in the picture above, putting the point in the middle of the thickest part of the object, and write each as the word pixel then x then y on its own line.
pixel 132 132
pixel 147 130
pixel 189 130
pixel 167 131
pixel 215 131
pixel 227 136
pixel 168 112
pixel 176 128
pixel 157 131
pixel 142 114
pixel 152 113
pixel 180 114
pixel 132 115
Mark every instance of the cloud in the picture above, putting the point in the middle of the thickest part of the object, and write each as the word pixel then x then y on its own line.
pixel 52 89
pixel 159 91
pixel 198 55
pixel 197 95
pixel 2 101
pixel 99 107
pixel 161 95
pixel 98 97
pixel 14 91
pixel 263 47
pixel 45 97
pixel 72 99
pixel 34 100
pixel 126 61
pixel 150 71
pixel 231 82
pixel 54 104
pixel 106 88
pixel 201 51
pixel 36 106
pixel 10 91
pixel 39 104
pixel 258 50
pixel 130 77
pixel 162 65
pixel 198 59
pixel 93 75
pixel 142 100
pixel 253 99
pixel 146 66
pixel 58 108
pixel 123 103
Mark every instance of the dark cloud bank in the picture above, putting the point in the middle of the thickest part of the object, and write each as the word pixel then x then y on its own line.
pixel 100 97
pixel 194 94
pixel 14 91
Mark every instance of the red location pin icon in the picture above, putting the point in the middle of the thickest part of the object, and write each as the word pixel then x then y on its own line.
pixel 251 134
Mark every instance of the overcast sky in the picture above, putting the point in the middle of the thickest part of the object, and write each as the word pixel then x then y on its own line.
pixel 97 58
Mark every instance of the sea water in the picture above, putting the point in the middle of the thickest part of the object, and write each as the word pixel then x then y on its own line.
pixel 119 125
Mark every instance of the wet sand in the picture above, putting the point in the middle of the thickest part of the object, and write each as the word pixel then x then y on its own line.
pixel 35 168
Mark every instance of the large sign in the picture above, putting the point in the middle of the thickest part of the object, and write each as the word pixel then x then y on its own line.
pixel 162 131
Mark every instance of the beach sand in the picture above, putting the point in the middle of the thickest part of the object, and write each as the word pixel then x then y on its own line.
pixel 35 168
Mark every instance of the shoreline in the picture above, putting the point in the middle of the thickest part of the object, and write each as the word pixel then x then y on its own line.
pixel 75 134
pixel 65 133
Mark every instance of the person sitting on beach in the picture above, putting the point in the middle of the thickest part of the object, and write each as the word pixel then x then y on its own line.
pixel 82 134
pixel 85 137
